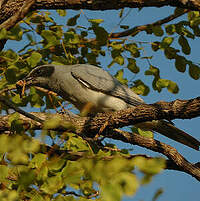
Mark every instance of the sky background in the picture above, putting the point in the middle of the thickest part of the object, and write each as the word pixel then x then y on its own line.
pixel 177 186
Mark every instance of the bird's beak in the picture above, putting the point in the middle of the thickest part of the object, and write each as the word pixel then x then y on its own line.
pixel 27 80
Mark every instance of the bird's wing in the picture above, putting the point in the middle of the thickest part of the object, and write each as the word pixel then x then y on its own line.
pixel 98 79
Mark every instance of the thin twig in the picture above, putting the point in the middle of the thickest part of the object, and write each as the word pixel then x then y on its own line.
pixel 11 105
pixel 135 30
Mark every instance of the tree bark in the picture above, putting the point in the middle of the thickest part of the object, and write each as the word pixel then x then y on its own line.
pixel 10 7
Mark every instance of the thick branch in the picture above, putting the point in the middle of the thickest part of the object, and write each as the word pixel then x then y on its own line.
pixel 178 109
pixel 15 11
pixel 90 126
pixel 114 4
pixel 9 8
pixel 175 162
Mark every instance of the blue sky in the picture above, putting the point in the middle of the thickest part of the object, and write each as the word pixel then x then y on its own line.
pixel 177 186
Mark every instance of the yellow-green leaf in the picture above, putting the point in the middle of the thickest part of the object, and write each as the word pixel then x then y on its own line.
pixel 184 45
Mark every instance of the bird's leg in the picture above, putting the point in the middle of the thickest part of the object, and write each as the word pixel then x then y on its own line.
pixel 87 109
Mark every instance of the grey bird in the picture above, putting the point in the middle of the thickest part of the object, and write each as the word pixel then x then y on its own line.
pixel 81 84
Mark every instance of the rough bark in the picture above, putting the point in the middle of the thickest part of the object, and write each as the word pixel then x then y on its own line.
pixel 9 8
pixel 91 126
pixel 178 109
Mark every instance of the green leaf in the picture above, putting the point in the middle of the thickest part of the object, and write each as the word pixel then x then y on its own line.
pixel 162 83
pixel 184 45
pixel 195 22
pixel 4 172
pixel 15 33
pixel 153 71
pixel 196 30
pixel 72 21
pixel 96 21
pixel 67 198
pixel 101 35
pixel 34 195
pixel 140 88
pixel 132 65
pixel 73 172
pixel 115 53
pixel 170 52
pixel 77 144
pixel 61 12
pixel 111 193
pixel 71 38
pixel 193 15
pixel 52 185
pixel 3 33
pixel 170 29
pixel 10 56
pixel 144 133
pixel 133 49
pixel 155 46
pixel 26 178
pixel 194 71
pixel 36 99
pixel 34 59
pixel 50 38
pixel 173 87
pixel 9 195
pixel 181 30
pixel 38 160
pixel 119 76
pixel 127 183
pixel 157 30
pixel 166 42
pixel 10 74
pixel 17 99
pixel 116 46
pixel 150 166
pixel 119 59
pixel 180 63
pixel 170 85
pixel 55 164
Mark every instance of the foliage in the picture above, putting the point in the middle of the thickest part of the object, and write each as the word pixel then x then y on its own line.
pixel 31 172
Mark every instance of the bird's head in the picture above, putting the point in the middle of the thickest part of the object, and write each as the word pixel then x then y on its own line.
pixel 39 76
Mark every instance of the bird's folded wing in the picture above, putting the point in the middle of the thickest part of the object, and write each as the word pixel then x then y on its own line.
pixel 97 79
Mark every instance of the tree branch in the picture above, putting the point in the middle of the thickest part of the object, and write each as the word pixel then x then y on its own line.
pixel 178 109
pixel 135 30
pixel 90 126
pixel 20 8
pixel 11 105
pixel 157 146
pixel 114 4
pixel 12 11
pixel 176 161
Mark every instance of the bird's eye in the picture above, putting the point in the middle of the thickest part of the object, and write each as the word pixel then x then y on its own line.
pixel 39 72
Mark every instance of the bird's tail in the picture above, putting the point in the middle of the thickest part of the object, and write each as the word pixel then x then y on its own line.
pixel 169 130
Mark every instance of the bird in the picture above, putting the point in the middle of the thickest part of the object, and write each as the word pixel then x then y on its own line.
pixel 81 84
